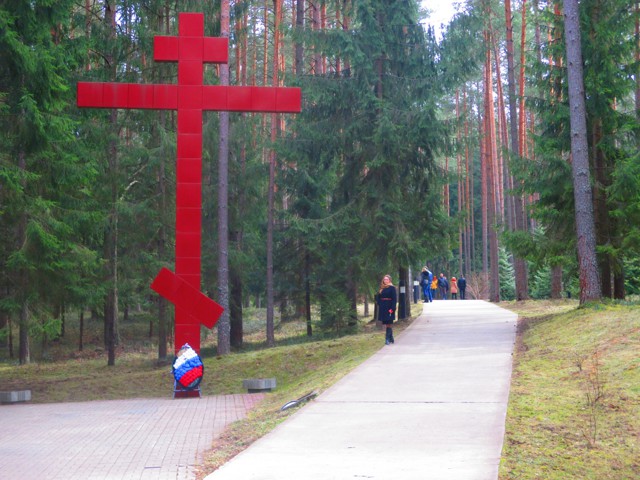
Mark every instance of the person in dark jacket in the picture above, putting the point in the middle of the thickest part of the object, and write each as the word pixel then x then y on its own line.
pixel 462 285
pixel 443 286
pixel 426 277
pixel 387 300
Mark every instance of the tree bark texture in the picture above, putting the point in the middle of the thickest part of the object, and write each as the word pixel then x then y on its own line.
pixel 585 227
pixel 164 214
pixel 235 309
pixel 517 141
pixel 111 233
pixel 299 47
pixel 556 281
pixel 271 194
pixel 490 141
pixel 307 292
pixel 224 327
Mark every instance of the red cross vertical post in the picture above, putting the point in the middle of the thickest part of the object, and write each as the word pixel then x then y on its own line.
pixel 190 97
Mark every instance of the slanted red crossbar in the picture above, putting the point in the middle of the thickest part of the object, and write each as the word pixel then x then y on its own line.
pixel 191 49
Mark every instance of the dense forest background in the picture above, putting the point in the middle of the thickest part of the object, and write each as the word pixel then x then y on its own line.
pixel 455 151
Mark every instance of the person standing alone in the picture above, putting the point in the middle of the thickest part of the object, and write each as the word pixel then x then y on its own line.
pixel 462 286
pixel 387 300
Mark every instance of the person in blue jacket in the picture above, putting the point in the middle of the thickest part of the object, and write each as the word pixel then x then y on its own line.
pixel 387 300
pixel 426 277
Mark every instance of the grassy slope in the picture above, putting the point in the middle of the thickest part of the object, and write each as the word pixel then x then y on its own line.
pixel 574 409
pixel 138 375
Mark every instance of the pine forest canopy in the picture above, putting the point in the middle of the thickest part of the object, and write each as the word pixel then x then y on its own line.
pixel 410 149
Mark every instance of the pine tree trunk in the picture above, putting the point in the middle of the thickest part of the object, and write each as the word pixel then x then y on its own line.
pixel 494 278
pixel 81 332
pixel 522 123
pixel 111 234
pixel 460 188
pixel 601 211
pixel 224 327
pixel 236 314
pixel 556 281
pixel 484 161
pixel 468 168
pixel 585 227
pixel 445 189
pixel 503 177
pixel 315 16
pixel 517 142
pixel 10 338
pixel 503 137
pixel 619 290
pixel 299 47
pixel 235 310
pixel 236 304
pixel 4 325
pixel 24 352
pixel 307 292
pixel 520 264
pixel 271 193
pixel 352 295
pixel 346 25
pixel 164 214
pixel 162 251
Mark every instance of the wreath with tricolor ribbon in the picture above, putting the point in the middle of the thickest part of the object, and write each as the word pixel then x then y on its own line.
pixel 188 368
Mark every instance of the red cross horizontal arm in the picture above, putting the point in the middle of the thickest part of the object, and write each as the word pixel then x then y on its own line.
pixel 190 97
pixel 203 97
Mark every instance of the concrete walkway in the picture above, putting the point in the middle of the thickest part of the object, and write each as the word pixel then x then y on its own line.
pixel 158 439
pixel 430 407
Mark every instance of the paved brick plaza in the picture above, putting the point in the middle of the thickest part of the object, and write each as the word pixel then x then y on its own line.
pixel 117 439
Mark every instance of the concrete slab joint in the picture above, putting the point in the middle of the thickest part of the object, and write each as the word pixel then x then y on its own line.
pixel 254 385
pixel 15 396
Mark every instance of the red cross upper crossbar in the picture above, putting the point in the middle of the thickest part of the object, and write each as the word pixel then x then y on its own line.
pixel 191 49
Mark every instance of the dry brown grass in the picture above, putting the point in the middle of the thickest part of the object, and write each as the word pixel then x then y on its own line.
pixel 574 408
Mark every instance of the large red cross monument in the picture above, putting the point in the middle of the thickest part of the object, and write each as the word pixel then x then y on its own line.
pixel 191 49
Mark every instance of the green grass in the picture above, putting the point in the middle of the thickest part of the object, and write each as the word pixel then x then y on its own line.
pixel 574 408
pixel 63 374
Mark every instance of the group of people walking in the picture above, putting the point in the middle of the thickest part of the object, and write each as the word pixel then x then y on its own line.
pixel 432 288
pixel 440 287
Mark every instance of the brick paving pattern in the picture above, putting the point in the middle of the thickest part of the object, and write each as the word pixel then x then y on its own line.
pixel 114 440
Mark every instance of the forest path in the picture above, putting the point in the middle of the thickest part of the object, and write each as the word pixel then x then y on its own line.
pixel 432 406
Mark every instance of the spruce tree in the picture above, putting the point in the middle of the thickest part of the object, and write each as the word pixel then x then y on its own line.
pixel 43 259
pixel 364 176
